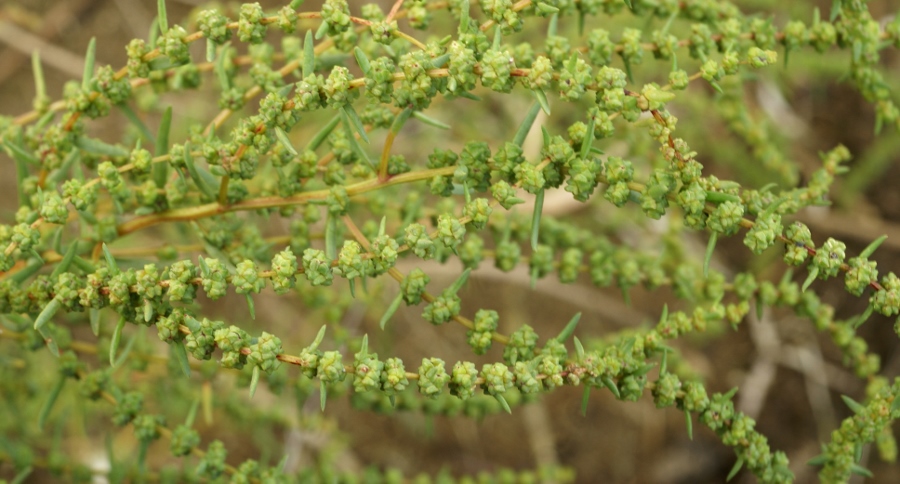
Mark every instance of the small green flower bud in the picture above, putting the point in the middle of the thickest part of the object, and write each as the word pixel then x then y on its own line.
pixel 432 377
pixel 463 380
pixel 264 353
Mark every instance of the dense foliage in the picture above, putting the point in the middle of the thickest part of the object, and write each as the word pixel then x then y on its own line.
pixel 304 144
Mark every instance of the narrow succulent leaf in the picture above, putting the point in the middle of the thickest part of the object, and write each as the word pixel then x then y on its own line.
pixel 116 338
pixel 459 282
pixel 97 147
pixel 707 258
pixel 588 140
pixel 430 121
pixel 285 142
pixel 541 98
pixel 382 226
pixel 94 315
pixel 569 328
pixel 161 170
pixel 254 380
pixel 49 341
pixel 323 394
pixel 585 396
pixel 357 123
pixel 66 261
pixel 222 70
pixel 818 460
pixel 192 413
pixel 362 60
pixel 23 474
pixel 536 218
pixel 579 349
pixel 354 143
pixel 319 337
pixel 464 17
pixel 322 30
pixel 181 355
pixel 895 405
pixel 323 133
pixel 730 393
pixel 813 273
pixel 37 69
pixel 525 125
pixel 690 424
pixel 663 365
pixel 611 385
pixel 251 306
pixel 162 18
pixel 860 471
pixel 211 50
pixel 195 175
pixel 331 236
pixel 47 313
pixel 503 403
pixel 309 54
pixel 126 350
pixel 21 155
pixel 400 120
pixel 735 469
pixel 50 401
pixel 836 8
pixel 395 304
pixel 89 59
pixel 63 172
pixel 110 261
pixel 871 248
pixel 855 406
pixel 553 25
pixel 29 270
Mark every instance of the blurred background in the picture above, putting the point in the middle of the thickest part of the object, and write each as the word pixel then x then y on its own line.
pixel 790 377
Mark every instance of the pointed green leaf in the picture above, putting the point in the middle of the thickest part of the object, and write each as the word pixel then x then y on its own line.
pixel 110 261
pixel 47 313
pixel 49 341
pixel 395 304
pixel 855 406
pixel 309 54
pixel 181 355
pixel 813 273
pixel 362 60
pixel 690 424
pixel 97 147
pixel 161 170
pixel 23 474
pixel 251 306
pixel 51 400
pixel 89 58
pixel 323 133
pixel 710 247
pixel 357 123
pixel 354 143
pixel 331 236
pixel 116 337
pixel 585 395
pixel 503 403
pixel 735 469
pixel 536 218
pixel 192 413
pixel 323 394
pixel 579 350
pixel 319 337
pixel 611 385
pixel 569 328
pixel 40 87
pixel 66 261
pixel 430 121
pixel 195 175
pixel 162 18
pixel 525 125
pixel 254 380
pixel 285 142
pixel 459 282
pixel 27 272
pixel 95 321
pixel 860 471
pixel 542 100
pixel 818 460
pixel 871 248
